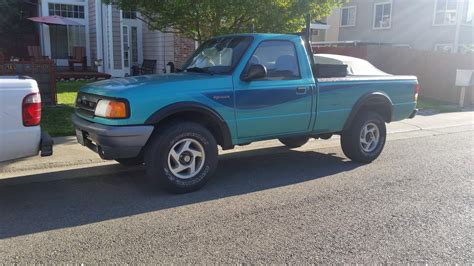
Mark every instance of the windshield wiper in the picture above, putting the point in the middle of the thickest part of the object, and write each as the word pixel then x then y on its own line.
pixel 200 70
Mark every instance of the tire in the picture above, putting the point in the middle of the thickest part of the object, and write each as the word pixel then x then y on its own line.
pixel 294 142
pixel 192 144
pixel 131 161
pixel 353 144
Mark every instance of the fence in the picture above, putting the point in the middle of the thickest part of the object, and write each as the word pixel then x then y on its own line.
pixel 43 72
pixel 436 71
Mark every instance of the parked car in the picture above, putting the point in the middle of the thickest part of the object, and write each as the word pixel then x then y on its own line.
pixel 235 90
pixel 20 117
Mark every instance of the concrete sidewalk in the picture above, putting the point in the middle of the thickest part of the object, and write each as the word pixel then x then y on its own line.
pixel 70 156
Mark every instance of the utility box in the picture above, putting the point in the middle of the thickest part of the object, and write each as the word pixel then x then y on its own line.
pixel 464 78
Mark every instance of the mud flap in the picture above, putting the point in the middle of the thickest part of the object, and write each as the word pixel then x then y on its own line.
pixel 46 145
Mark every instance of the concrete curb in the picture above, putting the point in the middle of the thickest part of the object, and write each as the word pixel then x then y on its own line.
pixel 52 165
pixel 65 173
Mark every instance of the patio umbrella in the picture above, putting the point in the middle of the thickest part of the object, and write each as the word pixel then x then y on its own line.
pixel 55 20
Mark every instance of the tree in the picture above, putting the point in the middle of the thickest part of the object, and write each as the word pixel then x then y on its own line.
pixel 15 29
pixel 13 20
pixel 201 19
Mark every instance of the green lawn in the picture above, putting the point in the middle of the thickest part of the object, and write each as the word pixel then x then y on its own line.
pixel 442 107
pixel 56 120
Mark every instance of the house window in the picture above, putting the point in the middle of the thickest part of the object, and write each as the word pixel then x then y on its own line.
pixel 447 48
pixel 129 14
pixel 382 15
pixel 76 37
pixel 134 48
pixel 348 16
pixel 445 12
pixel 65 10
pixel 468 13
pixel 58 39
pixel 63 39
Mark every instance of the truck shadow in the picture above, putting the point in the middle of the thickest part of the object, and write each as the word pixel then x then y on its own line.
pixel 38 207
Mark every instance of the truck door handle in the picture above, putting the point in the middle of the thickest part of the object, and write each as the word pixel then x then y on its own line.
pixel 301 90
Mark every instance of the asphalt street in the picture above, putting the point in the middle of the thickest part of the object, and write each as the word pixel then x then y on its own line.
pixel 413 204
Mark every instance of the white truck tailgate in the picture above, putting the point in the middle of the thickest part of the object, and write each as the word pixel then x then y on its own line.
pixel 16 140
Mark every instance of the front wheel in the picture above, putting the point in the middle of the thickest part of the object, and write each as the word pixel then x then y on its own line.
pixel 182 157
pixel 364 140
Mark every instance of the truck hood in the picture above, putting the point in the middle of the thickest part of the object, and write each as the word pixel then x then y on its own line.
pixel 123 86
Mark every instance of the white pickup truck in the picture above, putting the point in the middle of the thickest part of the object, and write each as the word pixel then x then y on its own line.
pixel 20 117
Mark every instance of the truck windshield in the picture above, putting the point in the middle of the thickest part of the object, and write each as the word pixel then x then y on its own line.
pixel 218 55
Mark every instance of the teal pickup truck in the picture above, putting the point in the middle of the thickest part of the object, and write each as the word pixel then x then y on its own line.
pixel 235 90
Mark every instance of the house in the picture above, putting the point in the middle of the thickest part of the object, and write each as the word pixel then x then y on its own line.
pixel 406 37
pixel 114 40
pixel 331 32
pixel 442 25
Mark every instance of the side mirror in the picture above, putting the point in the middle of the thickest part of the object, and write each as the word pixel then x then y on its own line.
pixel 255 71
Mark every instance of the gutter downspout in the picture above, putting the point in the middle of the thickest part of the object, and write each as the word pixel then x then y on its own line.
pixel 41 28
pixel 102 36
pixel 459 14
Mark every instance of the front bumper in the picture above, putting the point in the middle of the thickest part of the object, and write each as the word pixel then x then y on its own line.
pixel 111 142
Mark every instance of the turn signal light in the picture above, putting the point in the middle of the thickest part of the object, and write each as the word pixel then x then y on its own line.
pixel 111 109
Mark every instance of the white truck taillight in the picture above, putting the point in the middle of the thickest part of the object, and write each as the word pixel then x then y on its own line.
pixel 31 110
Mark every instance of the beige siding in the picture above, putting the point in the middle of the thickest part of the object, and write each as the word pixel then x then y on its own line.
pixel 158 46
pixel 183 49
pixel 412 24
pixel 319 37
pixel 92 30
pixel 116 38
pixel 332 35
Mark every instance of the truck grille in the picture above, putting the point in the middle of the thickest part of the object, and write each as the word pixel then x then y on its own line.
pixel 86 103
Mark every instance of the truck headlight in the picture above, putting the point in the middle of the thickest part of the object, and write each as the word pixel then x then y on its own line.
pixel 111 109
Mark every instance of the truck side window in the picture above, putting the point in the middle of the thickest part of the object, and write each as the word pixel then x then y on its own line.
pixel 280 59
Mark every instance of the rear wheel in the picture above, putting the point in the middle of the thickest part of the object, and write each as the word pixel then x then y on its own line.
pixel 182 157
pixel 364 140
pixel 294 142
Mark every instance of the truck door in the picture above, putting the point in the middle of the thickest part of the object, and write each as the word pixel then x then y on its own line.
pixel 281 102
